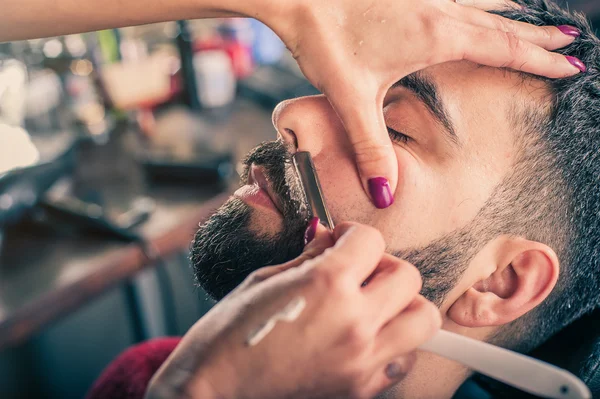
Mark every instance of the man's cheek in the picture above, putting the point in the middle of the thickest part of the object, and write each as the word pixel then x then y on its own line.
pixel 347 201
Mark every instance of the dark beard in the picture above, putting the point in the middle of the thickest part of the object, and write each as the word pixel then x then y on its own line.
pixel 442 263
pixel 225 250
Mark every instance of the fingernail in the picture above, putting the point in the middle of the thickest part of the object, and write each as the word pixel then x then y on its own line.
pixel 380 191
pixel 311 230
pixel 394 371
pixel 577 63
pixel 569 30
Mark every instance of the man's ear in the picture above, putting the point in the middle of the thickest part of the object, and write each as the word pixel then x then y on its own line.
pixel 524 274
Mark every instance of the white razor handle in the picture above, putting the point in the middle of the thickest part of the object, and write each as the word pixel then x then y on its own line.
pixel 517 370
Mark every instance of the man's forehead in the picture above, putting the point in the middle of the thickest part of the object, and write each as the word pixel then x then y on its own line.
pixel 470 78
pixel 479 100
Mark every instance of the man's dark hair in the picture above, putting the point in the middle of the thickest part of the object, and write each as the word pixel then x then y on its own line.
pixel 553 192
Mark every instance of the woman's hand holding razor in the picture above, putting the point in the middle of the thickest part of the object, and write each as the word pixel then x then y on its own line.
pixel 310 328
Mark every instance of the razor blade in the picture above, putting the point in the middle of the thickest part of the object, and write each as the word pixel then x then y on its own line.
pixel 312 188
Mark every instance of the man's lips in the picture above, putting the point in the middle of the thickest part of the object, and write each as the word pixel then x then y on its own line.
pixel 257 177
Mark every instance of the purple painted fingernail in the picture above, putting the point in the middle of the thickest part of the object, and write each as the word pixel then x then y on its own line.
pixel 380 191
pixel 569 30
pixel 576 62
pixel 311 231
pixel 394 371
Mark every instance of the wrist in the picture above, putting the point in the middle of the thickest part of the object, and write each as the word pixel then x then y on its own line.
pixel 276 14
pixel 266 11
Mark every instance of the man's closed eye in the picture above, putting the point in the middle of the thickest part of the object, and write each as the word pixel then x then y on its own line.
pixel 398 137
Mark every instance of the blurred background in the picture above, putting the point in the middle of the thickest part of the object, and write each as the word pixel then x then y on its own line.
pixel 114 145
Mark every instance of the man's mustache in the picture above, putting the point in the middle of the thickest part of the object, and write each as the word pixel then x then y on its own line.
pixel 276 160
pixel 226 248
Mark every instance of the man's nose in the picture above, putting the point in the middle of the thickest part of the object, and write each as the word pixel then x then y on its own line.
pixel 309 124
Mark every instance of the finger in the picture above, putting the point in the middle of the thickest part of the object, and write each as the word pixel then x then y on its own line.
pixel 357 251
pixel 490 5
pixel 500 49
pixel 409 329
pixel 395 285
pixel 320 240
pixel 548 37
pixel 376 160
pixel 390 374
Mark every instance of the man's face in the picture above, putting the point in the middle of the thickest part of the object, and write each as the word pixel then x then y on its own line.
pixel 454 128
pixel 454 139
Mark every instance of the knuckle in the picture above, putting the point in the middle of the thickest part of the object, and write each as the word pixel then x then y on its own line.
pixel 437 317
pixel 321 276
pixel 364 231
pixel 309 255
pixel 257 276
pixel 506 25
pixel 369 151
pixel 330 256
pixel 440 27
pixel 434 28
pixel 333 260
pixel 357 336
pixel 328 279
pixel 410 274
pixel 455 50
pixel 433 317
pixel 371 235
pixel 452 50
pixel 407 362
pixel 345 225
pixel 515 45
pixel 546 33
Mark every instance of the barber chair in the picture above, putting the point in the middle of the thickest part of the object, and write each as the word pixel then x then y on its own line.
pixel 576 349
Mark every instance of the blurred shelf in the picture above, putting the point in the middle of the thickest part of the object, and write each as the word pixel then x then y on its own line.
pixel 46 274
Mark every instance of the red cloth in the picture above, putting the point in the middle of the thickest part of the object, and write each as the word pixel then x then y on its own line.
pixel 128 376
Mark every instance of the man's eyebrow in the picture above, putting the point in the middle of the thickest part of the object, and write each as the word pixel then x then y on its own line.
pixel 427 92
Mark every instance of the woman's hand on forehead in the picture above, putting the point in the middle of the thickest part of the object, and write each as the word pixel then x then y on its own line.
pixel 354 51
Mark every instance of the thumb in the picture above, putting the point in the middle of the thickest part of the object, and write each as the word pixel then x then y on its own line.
pixel 317 239
pixel 373 151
